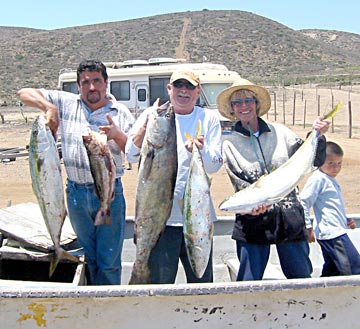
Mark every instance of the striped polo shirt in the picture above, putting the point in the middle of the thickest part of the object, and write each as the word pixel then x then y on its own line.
pixel 75 121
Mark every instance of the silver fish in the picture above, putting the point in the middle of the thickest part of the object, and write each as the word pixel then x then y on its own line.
pixel 272 188
pixel 155 187
pixel 199 214
pixel 47 183
pixel 103 171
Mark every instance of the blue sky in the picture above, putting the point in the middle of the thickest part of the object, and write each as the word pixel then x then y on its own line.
pixel 299 14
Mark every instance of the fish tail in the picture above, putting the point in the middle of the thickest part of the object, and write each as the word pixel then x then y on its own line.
pixel 103 217
pixel 58 255
pixel 140 276
pixel 332 113
pixel 198 132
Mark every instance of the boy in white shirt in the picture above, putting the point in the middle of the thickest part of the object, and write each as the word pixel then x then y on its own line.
pixel 323 193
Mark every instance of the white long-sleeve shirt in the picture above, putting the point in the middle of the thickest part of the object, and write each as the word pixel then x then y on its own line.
pixel 211 152
pixel 323 193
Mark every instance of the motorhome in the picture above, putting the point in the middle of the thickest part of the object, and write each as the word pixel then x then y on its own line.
pixel 139 83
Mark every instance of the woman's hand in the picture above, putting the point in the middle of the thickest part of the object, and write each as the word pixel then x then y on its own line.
pixel 321 125
pixel 260 210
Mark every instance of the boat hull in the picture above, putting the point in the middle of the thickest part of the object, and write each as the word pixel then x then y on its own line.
pixel 306 303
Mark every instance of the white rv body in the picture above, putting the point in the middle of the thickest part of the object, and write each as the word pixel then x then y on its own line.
pixel 138 83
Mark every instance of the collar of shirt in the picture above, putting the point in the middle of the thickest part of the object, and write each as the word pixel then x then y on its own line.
pixel 263 127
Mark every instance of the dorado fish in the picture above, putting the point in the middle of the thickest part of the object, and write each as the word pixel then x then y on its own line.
pixel 155 187
pixel 198 212
pixel 273 187
pixel 47 185
pixel 103 171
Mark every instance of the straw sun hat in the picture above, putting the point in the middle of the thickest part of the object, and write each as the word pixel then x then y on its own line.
pixel 261 94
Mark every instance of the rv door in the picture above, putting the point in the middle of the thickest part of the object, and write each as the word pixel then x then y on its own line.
pixel 141 99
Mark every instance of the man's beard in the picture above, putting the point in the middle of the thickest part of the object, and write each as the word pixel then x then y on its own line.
pixel 92 99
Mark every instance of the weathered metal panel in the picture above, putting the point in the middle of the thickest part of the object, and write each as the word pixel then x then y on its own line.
pixel 306 303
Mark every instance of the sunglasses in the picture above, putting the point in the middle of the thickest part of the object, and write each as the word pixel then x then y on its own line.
pixel 246 101
pixel 182 84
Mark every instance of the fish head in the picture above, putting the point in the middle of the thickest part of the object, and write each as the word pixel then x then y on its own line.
pixel 40 134
pixel 95 142
pixel 160 121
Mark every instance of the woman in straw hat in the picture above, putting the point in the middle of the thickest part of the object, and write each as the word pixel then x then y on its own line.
pixel 263 147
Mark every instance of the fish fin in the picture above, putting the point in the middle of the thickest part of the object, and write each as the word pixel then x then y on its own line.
pixel 198 132
pixel 188 136
pixel 103 217
pixel 209 179
pixel 332 113
pixel 53 263
pixel 181 205
pixel 148 160
pixel 59 254
pixel 140 276
pixel 156 103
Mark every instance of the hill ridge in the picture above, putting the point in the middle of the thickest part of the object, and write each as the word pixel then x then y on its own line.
pixel 259 48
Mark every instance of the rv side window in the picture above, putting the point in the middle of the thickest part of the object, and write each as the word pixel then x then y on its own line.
pixel 120 90
pixel 142 95
pixel 158 89
pixel 71 87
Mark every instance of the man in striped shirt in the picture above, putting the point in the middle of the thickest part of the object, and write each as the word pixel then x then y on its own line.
pixel 73 115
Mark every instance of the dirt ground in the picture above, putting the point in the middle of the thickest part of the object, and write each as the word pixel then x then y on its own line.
pixel 15 127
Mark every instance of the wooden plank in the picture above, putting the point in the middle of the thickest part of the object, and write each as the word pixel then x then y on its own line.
pixel 24 223
pixel 13 155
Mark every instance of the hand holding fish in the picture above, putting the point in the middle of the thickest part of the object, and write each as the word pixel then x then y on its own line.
pixel 321 125
pixel 139 136
pixel 198 141
pixel 260 210
pixel 52 118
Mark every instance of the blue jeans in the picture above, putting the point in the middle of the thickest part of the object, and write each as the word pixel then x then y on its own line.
pixel 293 256
pixel 102 244
pixel 164 259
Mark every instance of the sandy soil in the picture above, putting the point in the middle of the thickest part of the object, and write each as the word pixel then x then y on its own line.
pixel 15 127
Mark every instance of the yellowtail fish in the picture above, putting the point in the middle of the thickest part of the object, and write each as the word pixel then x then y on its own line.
pixel 155 187
pixel 47 183
pixel 198 212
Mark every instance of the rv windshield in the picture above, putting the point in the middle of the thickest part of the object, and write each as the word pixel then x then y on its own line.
pixel 210 91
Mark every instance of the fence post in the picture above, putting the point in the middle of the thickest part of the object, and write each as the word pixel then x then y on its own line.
pixel 284 108
pixel 332 106
pixel 274 105
pixel 304 114
pixel 350 120
pixel 294 104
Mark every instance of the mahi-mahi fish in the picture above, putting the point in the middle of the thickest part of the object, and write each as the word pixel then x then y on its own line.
pixel 103 171
pixel 273 187
pixel 155 187
pixel 47 183
pixel 198 212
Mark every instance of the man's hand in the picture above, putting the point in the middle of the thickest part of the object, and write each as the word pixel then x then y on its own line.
pixel 52 119
pixel 199 142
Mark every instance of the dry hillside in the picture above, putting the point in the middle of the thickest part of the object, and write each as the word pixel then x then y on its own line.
pixel 255 46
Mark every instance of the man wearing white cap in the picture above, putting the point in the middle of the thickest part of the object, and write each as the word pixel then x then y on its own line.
pixel 263 147
pixel 184 91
